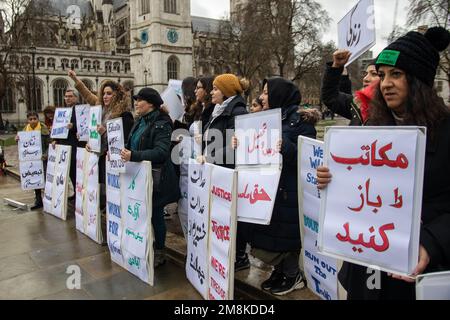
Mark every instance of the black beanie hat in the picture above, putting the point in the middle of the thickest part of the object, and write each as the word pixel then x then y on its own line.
pixel 150 95
pixel 417 54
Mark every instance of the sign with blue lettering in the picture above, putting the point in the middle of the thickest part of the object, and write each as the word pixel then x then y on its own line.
pixel 320 271
pixel 60 122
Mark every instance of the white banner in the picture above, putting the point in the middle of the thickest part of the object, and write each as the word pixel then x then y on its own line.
pixel 60 182
pixel 29 145
pixel 32 175
pixel 60 122
pixel 258 135
pixel 256 190
pixel 198 226
pixel 137 233
pixel 222 234
pixel 356 31
pixel 95 118
pixel 82 116
pixel 116 144
pixel 370 212
pixel 320 271
pixel 79 189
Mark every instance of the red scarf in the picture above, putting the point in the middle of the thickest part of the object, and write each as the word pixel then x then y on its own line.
pixel 365 96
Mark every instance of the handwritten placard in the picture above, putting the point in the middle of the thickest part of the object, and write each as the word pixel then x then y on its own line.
pixel 60 122
pixel 50 176
pixel 95 119
pixel 32 175
pixel 258 135
pixel 198 223
pixel 357 29
pixel 222 234
pixel 82 116
pixel 370 212
pixel 320 271
pixel 60 182
pixel 29 145
pixel 115 144
pixel 173 103
pixel 257 189
pixel 92 199
pixel 80 189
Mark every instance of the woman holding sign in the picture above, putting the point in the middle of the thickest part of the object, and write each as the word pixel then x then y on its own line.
pixel 150 141
pixel 405 96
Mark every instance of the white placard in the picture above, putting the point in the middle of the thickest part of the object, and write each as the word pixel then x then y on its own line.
pixel 173 103
pixel 177 86
pixel 79 189
pixel 199 180
pixel 258 134
pixel 92 199
pixel 29 145
pixel 222 234
pixel 60 122
pixel 60 182
pixel 356 31
pixel 320 271
pixel 433 286
pixel 370 212
pixel 116 144
pixel 32 175
pixel 82 116
pixel 50 177
pixel 95 118
pixel 256 192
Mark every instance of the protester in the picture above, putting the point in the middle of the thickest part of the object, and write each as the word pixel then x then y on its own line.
pixel 204 99
pixel 150 141
pixel 49 114
pixel 35 125
pixel 278 244
pixel 191 110
pixel 356 109
pixel 256 106
pixel 405 97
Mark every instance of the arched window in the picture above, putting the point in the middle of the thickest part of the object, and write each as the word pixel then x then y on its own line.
pixel 170 6
pixel 116 67
pixel 40 63
pixel 87 64
pixel 127 67
pixel 90 85
pixel 35 105
pixel 51 63
pixel 96 65
pixel 65 64
pixel 7 103
pixel 108 66
pixel 59 90
pixel 172 68
pixel 74 64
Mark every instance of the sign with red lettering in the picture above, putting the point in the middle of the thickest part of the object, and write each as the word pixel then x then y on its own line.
pixel 370 212
pixel 222 234
pixel 258 135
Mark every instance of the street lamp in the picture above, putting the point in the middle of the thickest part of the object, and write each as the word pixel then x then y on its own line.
pixel 145 75
pixel 33 53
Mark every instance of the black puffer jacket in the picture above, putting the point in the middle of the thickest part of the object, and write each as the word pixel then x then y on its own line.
pixel 222 123
pixel 283 235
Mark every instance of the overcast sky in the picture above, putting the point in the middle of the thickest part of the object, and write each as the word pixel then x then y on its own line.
pixel 384 15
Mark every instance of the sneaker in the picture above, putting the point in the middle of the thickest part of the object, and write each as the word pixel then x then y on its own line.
pixel 37 206
pixel 159 258
pixel 241 263
pixel 288 284
pixel 273 281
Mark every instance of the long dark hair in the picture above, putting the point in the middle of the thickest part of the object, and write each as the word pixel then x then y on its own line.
pixel 207 84
pixel 423 108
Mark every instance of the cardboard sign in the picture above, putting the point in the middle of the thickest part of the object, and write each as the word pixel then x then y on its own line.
pixel 60 122
pixel 95 119
pixel 357 29
pixel 320 271
pixel 91 206
pixel 50 177
pixel 370 212
pixel 82 115
pixel 173 103
pixel 32 174
pixel 29 145
pixel 116 143
pixel 80 189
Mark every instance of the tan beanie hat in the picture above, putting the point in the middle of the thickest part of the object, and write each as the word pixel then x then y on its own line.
pixel 229 84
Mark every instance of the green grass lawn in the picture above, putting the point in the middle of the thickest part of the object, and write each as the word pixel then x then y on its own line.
pixel 6 141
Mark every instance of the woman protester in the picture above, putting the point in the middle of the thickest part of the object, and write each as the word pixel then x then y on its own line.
pixel 150 141
pixel 257 105
pixel 49 114
pixel 356 109
pixel 405 97
pixel 278 244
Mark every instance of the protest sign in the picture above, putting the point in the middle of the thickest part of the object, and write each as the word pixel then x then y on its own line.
pixel 198 226
pixel 177 85
pixel 29 145
pixel 116 143
pixel 113 215
pixel 91 206
pixel 222 234
pixel 370 212
pixel 356 31
pixel 95 119
pixel 79 189
pixel 258 135
pixel 32 174
pixel 137 234
pixel 173 103
pixel 320 271
pixel 433 286
pixel 59 187
pixel 82 115
pixel 60 122
pixel 49 178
